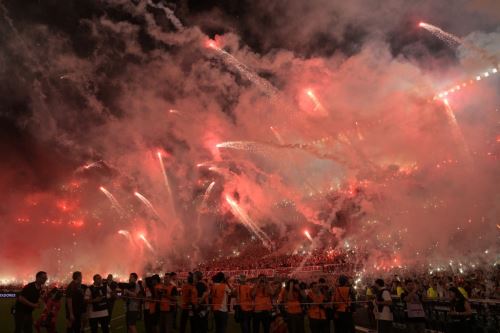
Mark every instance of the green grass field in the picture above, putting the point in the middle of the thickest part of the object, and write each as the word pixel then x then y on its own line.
pixel 117 322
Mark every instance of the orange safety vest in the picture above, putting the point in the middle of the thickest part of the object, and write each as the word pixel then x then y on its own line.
pixel 166 293
pixel 245 297
pixel 315 310
pixel 219 296
pixel 189 296
pixel 149 305
pixel 262 301
pixel 293 305
pixel 342 299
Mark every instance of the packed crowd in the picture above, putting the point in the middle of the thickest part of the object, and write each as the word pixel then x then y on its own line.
pixel 259 304
pixel 247 260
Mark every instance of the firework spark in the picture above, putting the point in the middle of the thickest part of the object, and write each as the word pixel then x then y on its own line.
pixel 148 204
pixel 462 85
pixel 457 131
pixel 318 107
pixel 125 234
pixel 446 37
pixel 114 203
pixel 248 222
pixel 207 194
pixel 277 135
pixel 167 184
pixel 308 235
pixel 454 41
pixel 145 240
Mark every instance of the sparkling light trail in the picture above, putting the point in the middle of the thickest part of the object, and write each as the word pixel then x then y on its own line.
pixel 167 184
pixel 126 234
pixel 308 235
pixel 457 131
pixel 461 85
pixel 148 204
pixel 318 107
pixel 114 202
pixel 277 135
pixel 148 244
pixel 207 194
pixel 453 41
pixel 446 37
pixel 248 222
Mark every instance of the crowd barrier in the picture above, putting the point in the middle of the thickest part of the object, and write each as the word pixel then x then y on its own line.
pixel 485 317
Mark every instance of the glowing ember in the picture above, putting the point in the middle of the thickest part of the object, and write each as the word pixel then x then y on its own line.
pixel 306 233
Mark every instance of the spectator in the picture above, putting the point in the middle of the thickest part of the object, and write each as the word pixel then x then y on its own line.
pixel 111 301
pixel 133 305
pixel 75 304
pixel 415 315
pixel 200 319
pixel 97 297
pixel 173 282
pixel 220 292
pixel 383 312
pixel 262 295
pixel 27 301
pixel 432 292
pixel 460 312
pixel 245 302
pixel 189 301
pixel 342 299
pixel 49 315
pixel 151 307
pixel 166 294
pixel 318 322
pixel 292 297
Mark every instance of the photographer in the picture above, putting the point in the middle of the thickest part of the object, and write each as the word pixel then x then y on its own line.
pixel 292 298
pixel 262 294
pixel 27 301
pixel 342 299
pixel 220 292
pixel 111 301
pixel 200 319
pixel 166 294
pixel 133 305
pixel 245 304
pixel 317 310
pixel 151 314
pixel 189 301
pixel 97 297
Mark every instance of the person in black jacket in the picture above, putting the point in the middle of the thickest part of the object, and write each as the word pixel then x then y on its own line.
pixel 460 312
pixel 75 304
pixel 97 296
pixel 26 302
